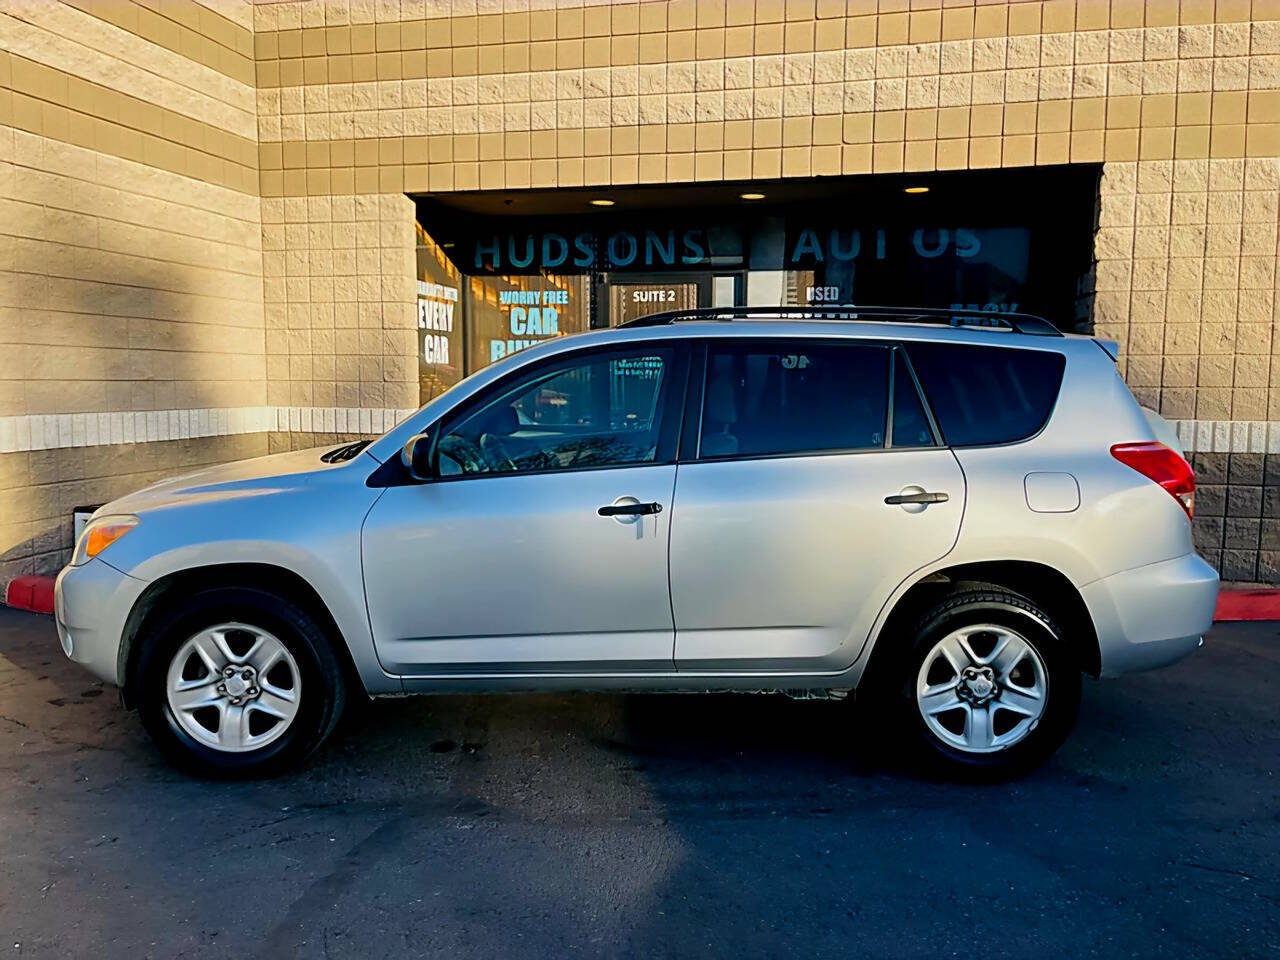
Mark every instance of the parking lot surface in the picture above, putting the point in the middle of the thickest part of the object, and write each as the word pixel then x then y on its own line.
pixel 647 826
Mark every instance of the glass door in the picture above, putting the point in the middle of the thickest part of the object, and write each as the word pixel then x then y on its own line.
pixel 639 295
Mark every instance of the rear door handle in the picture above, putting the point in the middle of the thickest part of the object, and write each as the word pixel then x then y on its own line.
pixel 922 497
pixel 629 509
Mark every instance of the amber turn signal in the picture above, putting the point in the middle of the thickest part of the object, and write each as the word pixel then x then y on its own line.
pixel 101 534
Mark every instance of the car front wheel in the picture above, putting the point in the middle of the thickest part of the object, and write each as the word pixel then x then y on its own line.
pixel 990 688
pixel 237 682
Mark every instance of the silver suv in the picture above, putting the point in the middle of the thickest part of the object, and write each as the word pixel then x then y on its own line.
pixel 950 517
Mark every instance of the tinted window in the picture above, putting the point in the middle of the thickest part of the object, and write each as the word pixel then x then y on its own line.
pixel 601 412
pixel 793 398
pixel 982 395
pixel 910 425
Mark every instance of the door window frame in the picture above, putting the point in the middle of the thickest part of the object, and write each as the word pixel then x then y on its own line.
pixel 900 351
pixel 671 403
pixel 691 434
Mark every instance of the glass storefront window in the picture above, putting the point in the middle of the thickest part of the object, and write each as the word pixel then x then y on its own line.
pixel 963 267
pixel 508 313
pixel 439 319
pixel 998 241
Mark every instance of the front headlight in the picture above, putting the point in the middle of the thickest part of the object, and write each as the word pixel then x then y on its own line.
pixel 100 534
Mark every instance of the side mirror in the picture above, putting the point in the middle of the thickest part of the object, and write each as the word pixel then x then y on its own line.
pixel 416 456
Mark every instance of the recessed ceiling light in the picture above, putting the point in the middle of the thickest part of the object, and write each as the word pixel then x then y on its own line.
pixel 751 196
pixel 601 202
pixel 916 190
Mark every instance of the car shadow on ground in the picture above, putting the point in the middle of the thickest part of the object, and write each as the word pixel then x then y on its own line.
pixel 746 734
pixel 654 825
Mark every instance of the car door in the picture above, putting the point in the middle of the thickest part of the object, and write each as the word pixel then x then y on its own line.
pixel 540 545
pixel 817 485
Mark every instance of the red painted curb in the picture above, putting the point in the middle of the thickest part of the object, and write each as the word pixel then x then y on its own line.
pixel 1259 604
pixel 35 594
pixel 30 593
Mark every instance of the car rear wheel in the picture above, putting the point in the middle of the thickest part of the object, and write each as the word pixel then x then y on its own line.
pixel 237 682
pixel 990 689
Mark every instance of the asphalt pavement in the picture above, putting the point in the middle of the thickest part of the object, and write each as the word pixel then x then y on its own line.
pixel 645 826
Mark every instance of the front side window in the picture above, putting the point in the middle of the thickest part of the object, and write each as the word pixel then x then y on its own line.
pixel 596 412
pixel 792 398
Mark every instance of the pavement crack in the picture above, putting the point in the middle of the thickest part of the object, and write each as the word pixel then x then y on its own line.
pixel 323 893
pixel 307 913
pixel 1226 871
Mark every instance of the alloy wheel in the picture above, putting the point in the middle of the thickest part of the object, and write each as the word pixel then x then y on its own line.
pixel 982 688
pixel 234 687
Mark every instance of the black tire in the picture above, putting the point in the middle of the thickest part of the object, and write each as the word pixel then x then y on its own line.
pixel 320 704
pixel 971 606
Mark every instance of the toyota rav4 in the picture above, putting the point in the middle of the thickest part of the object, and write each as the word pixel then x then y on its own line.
pixel 946 518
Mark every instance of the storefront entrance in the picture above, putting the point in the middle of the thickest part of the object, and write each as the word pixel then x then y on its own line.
pixel 499 272
pixel 632 297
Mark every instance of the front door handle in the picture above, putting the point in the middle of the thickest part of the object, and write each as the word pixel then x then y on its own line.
pixel 921 497
pixel 630 508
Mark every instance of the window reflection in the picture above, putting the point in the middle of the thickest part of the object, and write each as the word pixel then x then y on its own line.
pixel 604 412
pixel 806 398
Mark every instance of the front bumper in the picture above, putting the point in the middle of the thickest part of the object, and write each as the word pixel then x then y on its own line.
pixel 1152 615
pixel 91 604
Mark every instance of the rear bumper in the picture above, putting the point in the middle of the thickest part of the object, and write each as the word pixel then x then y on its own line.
pixel 1153 615
pixel 91 604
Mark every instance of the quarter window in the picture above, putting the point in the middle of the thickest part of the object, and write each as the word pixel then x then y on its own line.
pixel 791 398
pixel 605 411
pixel 987 395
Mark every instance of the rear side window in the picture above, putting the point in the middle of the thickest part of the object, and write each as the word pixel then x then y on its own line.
pixel 792 398
pixel 986 395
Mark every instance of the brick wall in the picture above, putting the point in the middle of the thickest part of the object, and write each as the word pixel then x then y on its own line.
pixel 131 280
pixel 387 97
pixel 205 201
pixel 1186 282
pixel 341 315
pixel 1237 526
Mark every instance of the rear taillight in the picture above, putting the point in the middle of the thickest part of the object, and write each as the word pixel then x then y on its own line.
pixel 1165 466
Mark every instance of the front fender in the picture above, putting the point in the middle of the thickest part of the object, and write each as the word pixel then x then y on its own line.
pixel 312 532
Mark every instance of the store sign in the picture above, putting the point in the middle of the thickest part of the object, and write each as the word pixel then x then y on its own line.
pixel 703 247
pixel 622 249
pixel 664 295
pixel 437 305
pixel 807 246
pixel 839 263
pixel 532 316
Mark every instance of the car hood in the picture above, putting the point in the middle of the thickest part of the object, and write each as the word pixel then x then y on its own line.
pixel 240 478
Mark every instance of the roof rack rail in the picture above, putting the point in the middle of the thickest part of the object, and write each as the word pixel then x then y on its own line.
pixel 1015 322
